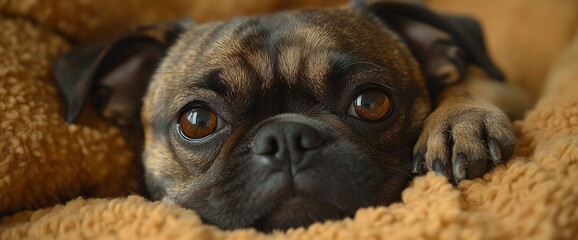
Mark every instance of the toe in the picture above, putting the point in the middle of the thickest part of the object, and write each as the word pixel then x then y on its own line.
pixel 459 167
pixel 418 164
pixel 470 155
pixel 438 153
pixel 495 151
pixel 500 137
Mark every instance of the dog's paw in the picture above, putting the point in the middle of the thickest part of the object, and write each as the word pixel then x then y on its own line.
pixel 463 141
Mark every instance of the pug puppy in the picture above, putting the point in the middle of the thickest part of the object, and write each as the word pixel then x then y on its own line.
pixel 282 120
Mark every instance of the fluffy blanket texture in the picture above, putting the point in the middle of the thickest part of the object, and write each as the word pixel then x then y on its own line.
pixel 48 163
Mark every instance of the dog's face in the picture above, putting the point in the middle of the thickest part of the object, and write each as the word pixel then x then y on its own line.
pixel 282 120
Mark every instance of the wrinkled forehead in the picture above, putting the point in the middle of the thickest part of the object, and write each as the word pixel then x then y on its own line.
pixel 289 49
pixel 281 49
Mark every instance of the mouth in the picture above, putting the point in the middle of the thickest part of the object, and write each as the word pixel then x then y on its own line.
pixel 298 210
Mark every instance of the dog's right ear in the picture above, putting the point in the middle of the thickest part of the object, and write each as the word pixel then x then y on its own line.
pixel 116 73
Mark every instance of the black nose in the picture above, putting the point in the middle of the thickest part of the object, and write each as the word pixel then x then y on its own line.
pixel 285 143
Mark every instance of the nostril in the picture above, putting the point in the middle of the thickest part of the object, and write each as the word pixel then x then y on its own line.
pixel 310 140
pixel 280 140
pixel 265 146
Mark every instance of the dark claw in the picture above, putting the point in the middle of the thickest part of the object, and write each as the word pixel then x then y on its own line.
pixel 459 167
pixel 476 168
pixel 417 165
pixel 495 151
pixel 507 152
pixel 438 167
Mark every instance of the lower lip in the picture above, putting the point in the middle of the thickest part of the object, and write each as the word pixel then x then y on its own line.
pixel 297 211
pixel 293 204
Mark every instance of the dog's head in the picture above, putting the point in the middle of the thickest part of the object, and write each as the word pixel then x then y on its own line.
pixel 282 120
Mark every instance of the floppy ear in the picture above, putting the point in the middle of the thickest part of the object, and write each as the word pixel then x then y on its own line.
pixel 115 73
pixel 443 45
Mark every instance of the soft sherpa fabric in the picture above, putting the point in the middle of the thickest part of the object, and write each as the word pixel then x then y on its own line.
pixel 44 160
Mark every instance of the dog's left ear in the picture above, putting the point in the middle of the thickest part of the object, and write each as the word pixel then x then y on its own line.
pixel 115 73
pixel 443 45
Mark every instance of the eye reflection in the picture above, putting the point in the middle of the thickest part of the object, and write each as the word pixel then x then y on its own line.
pixel 199 122
pixel 370 105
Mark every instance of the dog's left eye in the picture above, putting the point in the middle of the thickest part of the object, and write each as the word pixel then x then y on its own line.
pixel 370 105
pixel 199 122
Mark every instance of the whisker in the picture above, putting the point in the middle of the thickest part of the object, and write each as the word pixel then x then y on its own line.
pixel 407 174
pixel 374 153
pixel 134 191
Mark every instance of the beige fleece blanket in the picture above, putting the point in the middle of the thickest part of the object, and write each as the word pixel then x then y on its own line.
pixel 47 163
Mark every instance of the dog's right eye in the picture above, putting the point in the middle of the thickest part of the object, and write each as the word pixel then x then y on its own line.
pixel 199 122
pixel 371 105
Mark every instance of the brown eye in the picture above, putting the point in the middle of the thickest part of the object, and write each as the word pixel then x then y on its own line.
pixel 370 105
pixel 198 122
